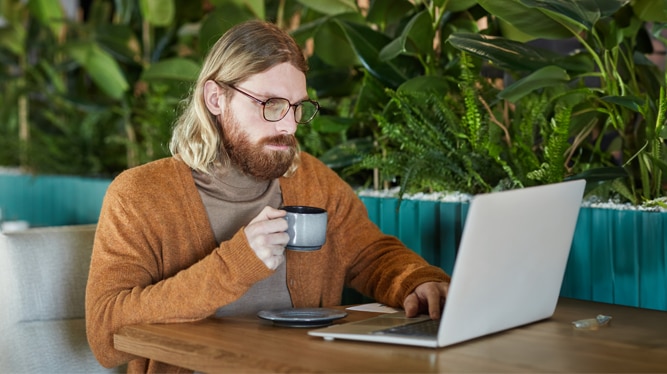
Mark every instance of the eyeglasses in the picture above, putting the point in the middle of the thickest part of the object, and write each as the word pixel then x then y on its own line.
pixel 276 108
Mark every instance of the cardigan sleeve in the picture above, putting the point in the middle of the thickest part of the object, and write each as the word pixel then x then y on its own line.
pixel 155 260
pixel 375 264
pixel 380 265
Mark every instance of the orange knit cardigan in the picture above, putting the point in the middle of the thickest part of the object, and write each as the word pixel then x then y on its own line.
pixel 155 258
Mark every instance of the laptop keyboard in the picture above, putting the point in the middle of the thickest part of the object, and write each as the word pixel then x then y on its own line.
pixel 428 328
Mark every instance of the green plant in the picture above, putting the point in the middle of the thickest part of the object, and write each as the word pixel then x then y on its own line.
pixel 103 89
pixel 389 45
pixel 458 142
pixel 626 98
pixel 97 94
pixel 79 84
pixel 555 113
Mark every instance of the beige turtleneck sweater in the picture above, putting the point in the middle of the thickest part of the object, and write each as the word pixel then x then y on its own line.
pixel 232 199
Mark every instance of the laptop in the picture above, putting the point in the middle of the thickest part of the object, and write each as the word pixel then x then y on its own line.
pixel 508 271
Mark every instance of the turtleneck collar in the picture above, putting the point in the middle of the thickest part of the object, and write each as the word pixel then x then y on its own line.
pixel 230 184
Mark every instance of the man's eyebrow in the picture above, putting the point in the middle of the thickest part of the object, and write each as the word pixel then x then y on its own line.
pixel 303 98
pixel 270 95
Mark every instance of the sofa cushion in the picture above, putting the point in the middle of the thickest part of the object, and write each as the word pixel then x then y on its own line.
pixel 43 275
pixel 56 346
pixel 44 272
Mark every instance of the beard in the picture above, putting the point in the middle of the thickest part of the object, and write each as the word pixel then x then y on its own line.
pixel 253 158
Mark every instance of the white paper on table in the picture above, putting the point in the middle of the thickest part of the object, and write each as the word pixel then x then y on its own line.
pixel 374 307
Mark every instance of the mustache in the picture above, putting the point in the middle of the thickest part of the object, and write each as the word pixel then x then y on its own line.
pixel 283 140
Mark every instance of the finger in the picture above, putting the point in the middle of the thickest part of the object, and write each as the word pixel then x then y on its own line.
pixel 268 239
pixel 273 229
pixel 278 250
pixel 434 301
pixel 268 213
pixel 435 298
pixel 411 305
pixel 278 240
pixel 267 246
pixel 273 213
pixel 445 288
pixel 274 262
pixel 427 298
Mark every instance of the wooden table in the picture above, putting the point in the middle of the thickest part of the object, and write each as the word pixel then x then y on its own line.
pixel 635 341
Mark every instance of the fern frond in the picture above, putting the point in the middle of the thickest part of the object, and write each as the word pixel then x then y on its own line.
pixel 557 144
pixel 472 119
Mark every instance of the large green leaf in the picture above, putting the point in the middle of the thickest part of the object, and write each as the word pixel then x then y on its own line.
pixel 524 20
pixel 330 81
pixel 583 13
pixel 426 83
pixel 181 69
pixel 326 124
pixel 416 38
pixel 509 54
pixel 348 153
pixel 633 103
pixel 219 21
pixel 372 97
pixel 457 5
pixel 307 30
pixel 13 37
pixel 386 12
pixel 120 41
pixel 311 29
pixel 256 7
pixel 651 10
pixel 158 12
pixel 367 44
pixel 546 77
pixel 331 7
pixel 595 177
pixel 530 21
pixel 332 46
pixel 551 19
pixel 101 67
pixel 49 13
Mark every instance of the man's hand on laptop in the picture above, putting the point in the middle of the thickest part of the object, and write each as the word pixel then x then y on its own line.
pixel 427 298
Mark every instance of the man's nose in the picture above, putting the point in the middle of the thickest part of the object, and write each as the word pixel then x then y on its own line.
pixel 288 124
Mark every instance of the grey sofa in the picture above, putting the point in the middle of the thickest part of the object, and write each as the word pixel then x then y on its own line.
pixel 43 274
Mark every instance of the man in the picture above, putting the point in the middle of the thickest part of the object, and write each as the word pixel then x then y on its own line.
pixel 201 233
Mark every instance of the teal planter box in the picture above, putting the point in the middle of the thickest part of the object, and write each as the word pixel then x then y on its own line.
pixel 617 256
pixel 431 228
pixel 46 200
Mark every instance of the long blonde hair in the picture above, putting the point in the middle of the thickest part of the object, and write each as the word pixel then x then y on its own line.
pixel 244 50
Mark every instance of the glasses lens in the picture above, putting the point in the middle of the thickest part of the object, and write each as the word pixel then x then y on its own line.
pixel 305 111
pixel 275 109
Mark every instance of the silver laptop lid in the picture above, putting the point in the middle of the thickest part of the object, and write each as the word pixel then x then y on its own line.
pixel 511 260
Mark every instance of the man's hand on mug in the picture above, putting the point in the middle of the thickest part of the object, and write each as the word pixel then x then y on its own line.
pixel 267 237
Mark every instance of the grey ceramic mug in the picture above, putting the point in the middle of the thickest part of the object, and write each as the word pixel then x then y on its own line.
pixel 306 227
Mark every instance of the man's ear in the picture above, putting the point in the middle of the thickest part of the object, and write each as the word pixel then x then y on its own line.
pixel 213 97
